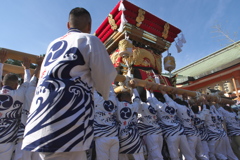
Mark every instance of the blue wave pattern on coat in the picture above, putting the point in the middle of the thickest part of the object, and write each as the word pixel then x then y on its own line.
pixel 64 114
pixel 9 124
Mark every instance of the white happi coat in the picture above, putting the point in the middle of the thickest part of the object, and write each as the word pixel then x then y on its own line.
pixel 232 122
pixel 148 119
pixel 11 103
pixel 105 120
pixel 167 113
pixel 129 137
pixel 219 123
pixel 186 117
pixel 211 124
pixel 199 122
pixel 62 111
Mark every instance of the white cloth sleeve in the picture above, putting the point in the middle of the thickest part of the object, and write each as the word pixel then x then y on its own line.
pixel 168 99
pixel 213 109
pixel 33 81
pixel 205 109
pixel 112 96
pixel 204 112
pixel 154 102
pixel 148 95
pixel 152 94
pixel 222 111
pixel 103 72
pixel 135 96
pixel 136 100
pixel 27 75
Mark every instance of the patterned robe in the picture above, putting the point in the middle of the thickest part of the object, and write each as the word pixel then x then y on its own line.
pixel 11 103
pixel 167 113
pixel 147 118
pixel 232 122
pixel 62 111
pixel 129 136
pixel 105 120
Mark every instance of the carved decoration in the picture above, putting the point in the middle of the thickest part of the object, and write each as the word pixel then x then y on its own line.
pixel 112 22
pixel 158 62
pixel 141 57
pixel 140 17
pixel 165 31
pixel 149 76
pixel 125 47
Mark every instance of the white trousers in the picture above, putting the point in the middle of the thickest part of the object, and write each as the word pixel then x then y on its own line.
pixel 224 148
pixel 136 156
pixel 81 155
pixel 195 145
pixel 176 142
pixel 6 151
pixel 212 145
pixel 154 145
pixel 24 155
pixel 235 143
pixel 107 148
pixel 205 148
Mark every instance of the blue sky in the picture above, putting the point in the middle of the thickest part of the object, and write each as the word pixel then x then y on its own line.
pixel 30 25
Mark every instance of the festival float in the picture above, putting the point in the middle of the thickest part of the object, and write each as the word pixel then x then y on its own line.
pixel 135 40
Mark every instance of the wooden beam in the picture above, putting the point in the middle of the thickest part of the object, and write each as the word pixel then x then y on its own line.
pixel 16 55
pixel 155 86
pixel 8 68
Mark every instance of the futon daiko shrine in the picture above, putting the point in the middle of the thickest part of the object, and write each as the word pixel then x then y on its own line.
pixel 135 40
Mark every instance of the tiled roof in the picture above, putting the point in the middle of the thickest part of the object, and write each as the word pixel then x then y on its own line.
pixel 212 63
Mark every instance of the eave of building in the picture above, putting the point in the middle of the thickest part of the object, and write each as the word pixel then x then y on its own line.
pixel 233 71
pixel 212 63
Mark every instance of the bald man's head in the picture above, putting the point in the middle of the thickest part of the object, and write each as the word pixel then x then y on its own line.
pixel 80 18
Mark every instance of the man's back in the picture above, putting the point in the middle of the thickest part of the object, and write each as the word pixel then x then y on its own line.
pixel 11 102
pixel 62 109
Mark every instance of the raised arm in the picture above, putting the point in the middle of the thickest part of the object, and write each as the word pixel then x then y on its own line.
pixel 39 63
pixel 102 71
pixel 148 95
pixel 26 65
pixel 213 109
pixel 112 96
pixel 135 96
pixel 166 97
pixel 151 98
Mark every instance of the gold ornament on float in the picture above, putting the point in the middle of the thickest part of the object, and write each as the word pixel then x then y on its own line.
pixel 169 63
pixel 140 17
pixel 166 30
pixel 112 22
pixel 125 47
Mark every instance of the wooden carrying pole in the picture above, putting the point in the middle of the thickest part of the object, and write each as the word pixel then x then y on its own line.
pixel 8 68
pixel 16 55
pixel 155 86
